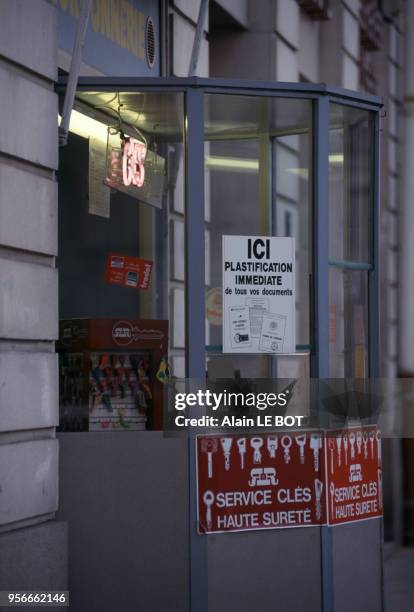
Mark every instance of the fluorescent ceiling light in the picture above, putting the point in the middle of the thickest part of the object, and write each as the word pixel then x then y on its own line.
pixel 301 172
pixel 85 126
pixel 213 162
pixel 336 158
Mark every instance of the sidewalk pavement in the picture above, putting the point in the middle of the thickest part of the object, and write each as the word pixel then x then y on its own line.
pixel 399 581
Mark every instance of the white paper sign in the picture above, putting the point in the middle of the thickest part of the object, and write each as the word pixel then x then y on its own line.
pixel 99 193
pixel 258 294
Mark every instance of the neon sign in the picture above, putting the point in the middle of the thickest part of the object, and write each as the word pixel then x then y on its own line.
pixel 133 158
pixel 133 168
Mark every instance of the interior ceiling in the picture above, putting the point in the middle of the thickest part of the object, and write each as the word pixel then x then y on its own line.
pixel 227 116
pixel 157 114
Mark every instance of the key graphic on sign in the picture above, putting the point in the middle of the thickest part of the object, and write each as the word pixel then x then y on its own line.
pixel 379 477
pixel 209 446
pixel 318 496
pixel 301 442
pixel 286 442
pixel 316 445
pixel 371 440
pixel 379 446
pixel 338 444
pixel 352 443
pixel 256 444
pixel 332 492
pixel 226 446
pixel 208 499
pixel 272 444
pixel 331 446
pixel 359 441
pixel 365 441
pixel 345 440
pixel 241 443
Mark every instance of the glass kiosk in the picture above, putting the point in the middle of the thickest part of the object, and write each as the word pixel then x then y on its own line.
pixel 294 160
pixel 155 172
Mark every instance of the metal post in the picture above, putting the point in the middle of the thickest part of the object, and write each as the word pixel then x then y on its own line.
pixel 320 354
pixel 374 301
pixel 264 183
pixel 406 242
pixel 195 321
pixel 406 257
pixel 202 14
pixel 195 302
pixel 75 65
pixel 373 275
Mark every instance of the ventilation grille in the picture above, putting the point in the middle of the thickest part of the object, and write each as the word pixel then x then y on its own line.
pixel 150 42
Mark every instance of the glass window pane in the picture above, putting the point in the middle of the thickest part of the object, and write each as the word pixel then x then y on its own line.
pixel 252 366
pixel 121 258
pixel 350 183
pixel 286 178
pixel 257 159
pixel 348 323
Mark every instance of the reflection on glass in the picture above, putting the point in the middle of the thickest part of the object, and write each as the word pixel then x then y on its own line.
pixel 350 183
pixel 257 160
pixel 350 226
pixel 348 323
pixel 121 256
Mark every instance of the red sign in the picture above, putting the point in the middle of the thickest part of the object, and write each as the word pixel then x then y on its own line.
pixel 104 334
pixel 267 481
pixel 354 474
pixel 128 271
pixel 288 479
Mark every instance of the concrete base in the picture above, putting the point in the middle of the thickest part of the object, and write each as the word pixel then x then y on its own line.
pixel 357 566
pixel 399 585
pixel 265 571
pixel 34 558
pixel 125 496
